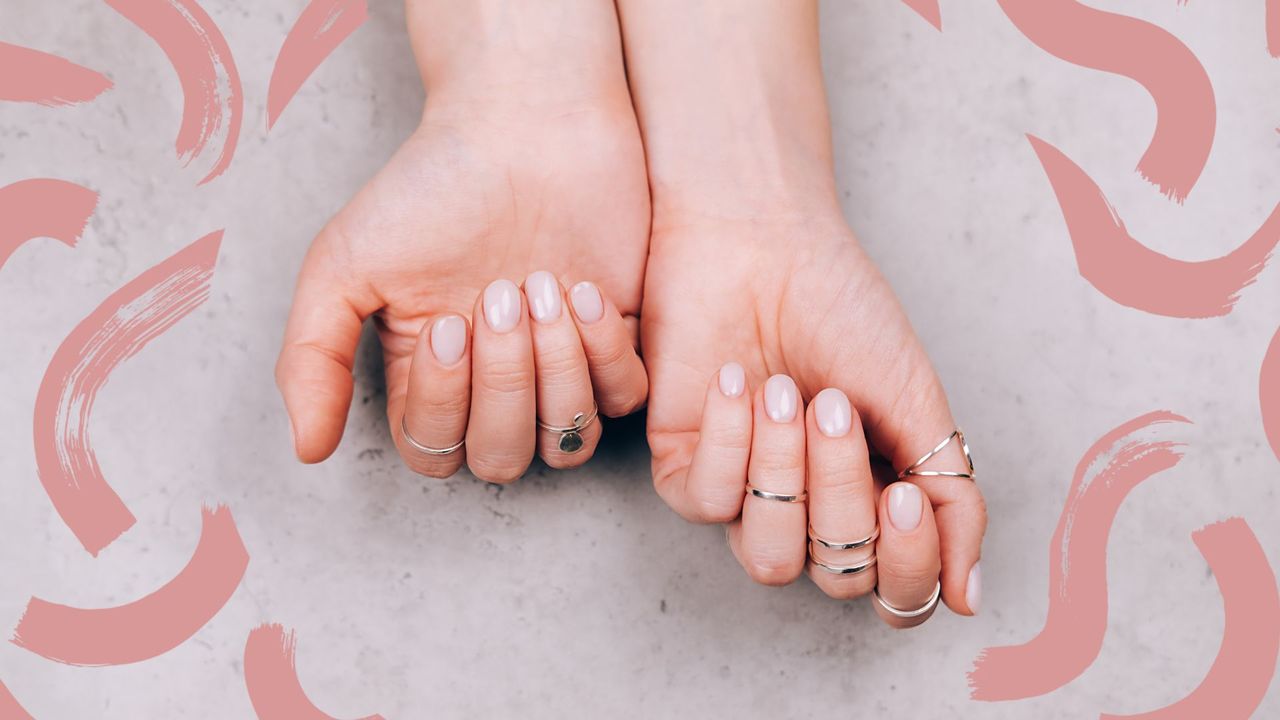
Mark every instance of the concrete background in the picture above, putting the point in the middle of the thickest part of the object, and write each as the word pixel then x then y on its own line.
pixel 580 594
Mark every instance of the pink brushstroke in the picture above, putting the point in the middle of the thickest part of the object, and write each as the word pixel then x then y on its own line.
pixel 1273 28
pixel 43 207
pixel 1185 109
pixel 1077 621
pixel 212 99
pixel 271 677
pixel 122 325
pixel 1269 394
pixel 1238 680
pixel 149 626
pixel 319 30
pixel 1132 274
pixel 927 9
pixel 46 79
pixel 9 707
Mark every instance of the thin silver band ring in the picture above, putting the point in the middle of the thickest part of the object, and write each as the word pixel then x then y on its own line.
pixel 908 614
pixel 570 440
pixel 404 432
pixel 838 545
pixel 778 497
pixel 844 569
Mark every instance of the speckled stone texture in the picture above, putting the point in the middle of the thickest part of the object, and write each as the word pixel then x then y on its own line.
pixel 580 594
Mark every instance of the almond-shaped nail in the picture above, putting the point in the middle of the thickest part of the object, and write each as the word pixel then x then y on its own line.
pixel 833 412
pixel 905 506
pixel 733 380
pixel 543 292
pixel 448 339
pixel 973 589
pixel 781 398
pixel 587 302
pixel 502 306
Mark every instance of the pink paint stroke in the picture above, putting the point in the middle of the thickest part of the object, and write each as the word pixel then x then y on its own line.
pixel 121 326
pixel 1269 394
pixel 927 9
pixel 9 707
pixel 319 30
pixel 1241 673
pixel 43 207
pixel 1273 28
pixel 212 100
pixel 1185 111
pixel 1132 274
pixel 46 79
pixel 1077 621
pixel 151 625
pixel 271 676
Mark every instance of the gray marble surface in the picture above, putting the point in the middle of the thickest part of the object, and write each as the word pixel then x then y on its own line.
pixel 579 594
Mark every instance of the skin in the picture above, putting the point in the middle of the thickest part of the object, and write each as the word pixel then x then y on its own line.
pixel 739 158
pixel 528 158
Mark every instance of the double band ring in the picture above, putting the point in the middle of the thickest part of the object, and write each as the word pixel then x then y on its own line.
pixel 854 569
pixel 913 470
pixel 404 432
pixel 778 497
pixel 571 436
pixel 858 567
pixel 908 614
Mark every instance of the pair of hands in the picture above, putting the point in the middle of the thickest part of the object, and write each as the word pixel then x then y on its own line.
pixel 744 317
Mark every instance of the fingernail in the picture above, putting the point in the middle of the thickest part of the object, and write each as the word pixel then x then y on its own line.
pixel 586 302
pixel 780 398
pixel 733 379
pixel 544 296
pixel 502 306
pixel 832 411
pixel 448 339
pixel 904 506
pixel 973 589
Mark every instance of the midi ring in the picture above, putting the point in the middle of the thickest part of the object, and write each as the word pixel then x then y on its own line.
pixel 913 471
pixel 908 614
pixel 404 432
pixel 845 569
pixel 779 497
pixel 838 545
pixel 571 437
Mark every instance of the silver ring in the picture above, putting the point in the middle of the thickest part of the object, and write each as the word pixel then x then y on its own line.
pixel 845 569
pixel 779 497
pixel 571 437
pixel 404 432
pixel 908 614
pixel 957 434
pixel 837 545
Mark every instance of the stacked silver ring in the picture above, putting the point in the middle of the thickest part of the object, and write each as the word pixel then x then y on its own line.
pixel 858 567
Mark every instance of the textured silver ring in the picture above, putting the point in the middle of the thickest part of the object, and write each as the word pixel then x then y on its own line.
pixel 845 569
pixel 913 470
pixel 779 497
pixel 839 545
pixel 404 432
pixel 571 436
pixel 908 614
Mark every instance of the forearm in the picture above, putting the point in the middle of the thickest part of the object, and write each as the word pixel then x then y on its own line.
pixel 731 105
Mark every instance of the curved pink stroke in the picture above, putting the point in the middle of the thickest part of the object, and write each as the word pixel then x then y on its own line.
pixel 1185 109
pixel 212 99
pixel 122 325
pixel 321 27
pixel 1269 394
pixel 928 9
pixel 46 79
pixel 43 207
pixel 1072 634
pixel 272 677
pixel 1134 275
pixel 151 625
pixel 1238 680
pixel 9 707
pixel 1273 28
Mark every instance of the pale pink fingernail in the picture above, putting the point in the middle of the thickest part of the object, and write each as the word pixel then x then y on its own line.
pixel 781 398
pixel 544 296
pixel 973 589
pixel 905 506
pixel 448 339
pixel 587 302
pixel 733 379
pixel 502 306
pixel 832 411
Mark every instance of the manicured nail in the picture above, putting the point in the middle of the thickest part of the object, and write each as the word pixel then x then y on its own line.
pixel 544 296
pixel 448 339
pixel 733 379
pixel 781 398
pixel 832 411
pixel 905 506
pixel 586 302
pixel 973 589
pixel 502 306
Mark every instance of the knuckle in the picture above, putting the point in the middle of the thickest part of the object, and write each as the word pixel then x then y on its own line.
pixel 560 365
pixel 774 570
pixel 609 355
pixel 909 573
pixel 848 588
pixel 708 509
pixel 505 376
pixel 623 403
pixel 502 471
pixel 565 461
